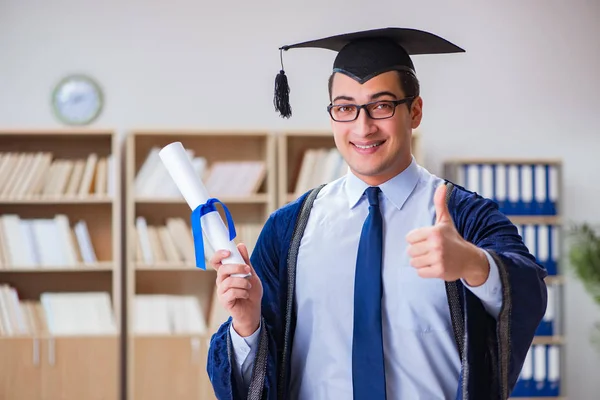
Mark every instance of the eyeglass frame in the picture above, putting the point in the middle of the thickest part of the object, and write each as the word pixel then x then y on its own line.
pixel 396 103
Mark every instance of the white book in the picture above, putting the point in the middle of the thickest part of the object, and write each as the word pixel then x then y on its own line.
pixel 500 182
pixel 13 235
pixel 31 253
pixel 151 314
pixel 539 363
pixel 15 174
pixel 110 178
pixel 540 183
pixel 306 171
pixel 549 316
pixel 85 243
pixel 526 183
pixel 487 181
pixel 473 178
pixel 513 183
pixel 555 237
pixel 51 177
pixel 543 243
pixel 85 188
pixel 553 363
pixel 67 246
pixel 40 177
pixel 23 186
pixel 78 313
pixel 527 370
pixel 183 238
pixel 186 315
pixel 17 311
pixel 146 170
pixel 5 319
pixel 317 177
pixel 553 181
pixel 142 231
pixel 48 242
pixel 75 180
pixel 529 239
pixel 6 161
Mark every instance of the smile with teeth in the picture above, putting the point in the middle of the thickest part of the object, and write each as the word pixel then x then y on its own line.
pixel 368 146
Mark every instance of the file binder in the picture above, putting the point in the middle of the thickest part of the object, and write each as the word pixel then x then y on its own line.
pixel 547 325
pixel 542 241
pixel 527 188
pixel 540 375
pixel 517 188
pixel 524 384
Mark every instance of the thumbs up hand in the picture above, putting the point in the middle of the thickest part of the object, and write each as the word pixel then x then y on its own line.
pixel 439 251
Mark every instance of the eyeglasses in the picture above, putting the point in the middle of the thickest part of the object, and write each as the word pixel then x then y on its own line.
pixel 376 110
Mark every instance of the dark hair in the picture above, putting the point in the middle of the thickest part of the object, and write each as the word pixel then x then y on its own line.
pixel 408 82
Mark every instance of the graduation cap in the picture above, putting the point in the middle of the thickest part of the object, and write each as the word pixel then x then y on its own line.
pixel 366 54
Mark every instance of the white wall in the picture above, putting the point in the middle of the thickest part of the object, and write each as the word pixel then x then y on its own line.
pixel 526 87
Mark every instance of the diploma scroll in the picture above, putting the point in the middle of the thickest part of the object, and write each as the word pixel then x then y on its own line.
pixel 177 162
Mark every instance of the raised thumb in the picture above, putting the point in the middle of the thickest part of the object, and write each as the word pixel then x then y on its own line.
pixel 442 214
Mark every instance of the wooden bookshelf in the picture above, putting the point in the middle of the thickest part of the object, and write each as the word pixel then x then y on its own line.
pixel 292 148
pixel 60 357
pixel 172 363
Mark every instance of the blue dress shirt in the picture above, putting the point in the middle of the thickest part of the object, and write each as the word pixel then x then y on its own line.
pixel 421 359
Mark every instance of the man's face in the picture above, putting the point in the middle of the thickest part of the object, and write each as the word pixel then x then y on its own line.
pixel 375 149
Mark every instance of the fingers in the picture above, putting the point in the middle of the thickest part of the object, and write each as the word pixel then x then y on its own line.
pixel 225 270
pixel 217 258
pixel 424 261
pixel 244 252
pixel 234 283
pixel 232 289
pixel 419 234
pixel 430 272
pixel 232 295
pixel 441 208
pixel 419 249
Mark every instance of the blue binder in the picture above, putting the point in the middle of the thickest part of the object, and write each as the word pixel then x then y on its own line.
pixel 518 189
pixel 548 323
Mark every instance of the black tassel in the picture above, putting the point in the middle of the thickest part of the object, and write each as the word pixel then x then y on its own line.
pixel 282 95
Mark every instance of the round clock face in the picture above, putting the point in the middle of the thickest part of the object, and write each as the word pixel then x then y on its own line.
pixel 77 100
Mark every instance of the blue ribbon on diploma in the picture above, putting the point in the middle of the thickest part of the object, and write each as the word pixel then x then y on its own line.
pixel 197 214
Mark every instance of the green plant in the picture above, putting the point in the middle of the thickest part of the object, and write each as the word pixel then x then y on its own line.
pixel 584 257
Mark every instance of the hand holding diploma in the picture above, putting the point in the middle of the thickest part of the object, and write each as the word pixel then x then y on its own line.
pixel 241 297
pixel 204 215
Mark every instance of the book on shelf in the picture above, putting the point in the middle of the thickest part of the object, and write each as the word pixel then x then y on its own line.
pixel 543 241
pixel 222 178
pixel 541 373
pixel 519 188
pixel 168 314
pixel 44 242
pixel 321 165
pixel 550 324
pixel 60 313
pixel 173 242
pixel 39 175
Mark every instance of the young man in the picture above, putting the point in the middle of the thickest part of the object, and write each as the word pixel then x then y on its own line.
pixel 386 283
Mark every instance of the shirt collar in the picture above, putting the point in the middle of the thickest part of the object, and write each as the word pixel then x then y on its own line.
pixel 396 190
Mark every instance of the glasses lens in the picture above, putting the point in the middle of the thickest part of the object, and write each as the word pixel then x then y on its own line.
pixel 344 112
pixel 381 109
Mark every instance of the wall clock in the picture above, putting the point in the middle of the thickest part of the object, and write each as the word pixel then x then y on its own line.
pixel 77 100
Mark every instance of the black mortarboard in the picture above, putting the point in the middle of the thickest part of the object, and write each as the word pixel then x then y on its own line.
pixel 363 55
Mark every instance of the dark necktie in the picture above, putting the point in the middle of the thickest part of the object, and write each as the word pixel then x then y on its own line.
pixel 368 374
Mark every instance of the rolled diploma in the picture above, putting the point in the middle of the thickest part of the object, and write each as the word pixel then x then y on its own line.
pixel 192 188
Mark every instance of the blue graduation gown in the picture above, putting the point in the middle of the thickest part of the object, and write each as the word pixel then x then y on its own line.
pixel 492 351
